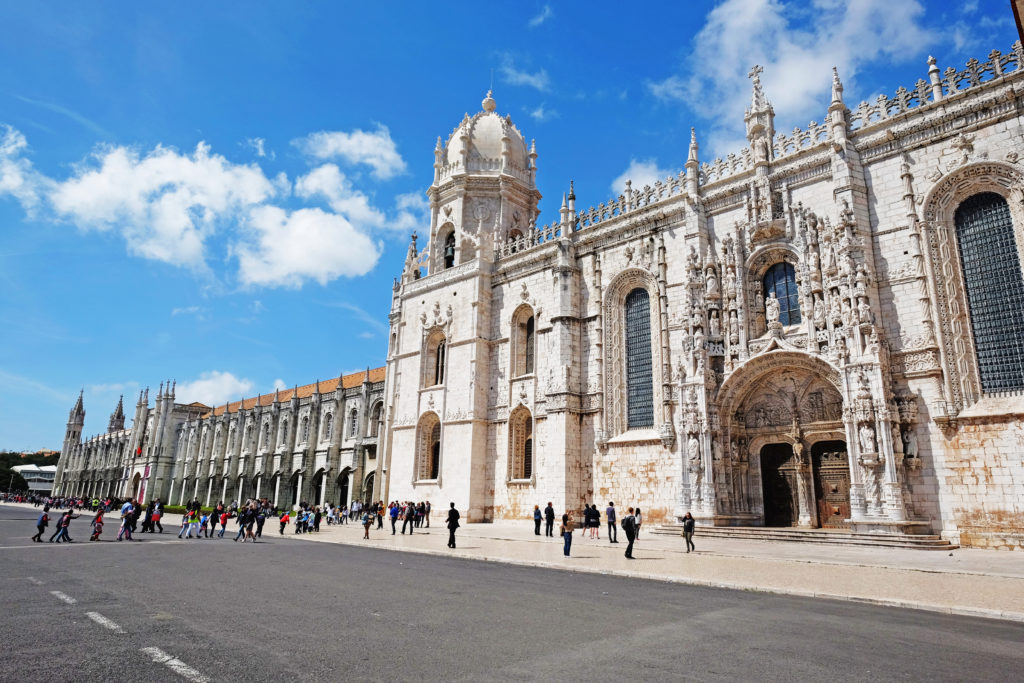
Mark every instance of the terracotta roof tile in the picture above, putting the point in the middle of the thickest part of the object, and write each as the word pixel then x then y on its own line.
pixel 306 390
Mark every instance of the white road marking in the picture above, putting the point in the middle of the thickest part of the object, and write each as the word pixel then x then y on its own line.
pixel 104 622
pixel 63 597
pixel 34 580
pixel 176 665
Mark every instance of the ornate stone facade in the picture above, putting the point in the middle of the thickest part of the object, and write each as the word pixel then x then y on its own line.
pixel 316 443
pixel 780 337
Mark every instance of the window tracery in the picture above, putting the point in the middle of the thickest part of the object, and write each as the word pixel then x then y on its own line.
pixel 428 447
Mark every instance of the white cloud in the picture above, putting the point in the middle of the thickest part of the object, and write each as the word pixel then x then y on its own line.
pixel 327 181
pixel 114 388
pixel 17 177
pixel 541 114
pixel 185 310
pixel 213 388
pixel 279 385
pixel 375 148
pixel 413 212
pixel 367 335
pixel 797 49
pixel 259 146
pixel 165 204
pixel 545 13
pixel 514 76
pixel 284 249
pixel 377 323
pixel 639 173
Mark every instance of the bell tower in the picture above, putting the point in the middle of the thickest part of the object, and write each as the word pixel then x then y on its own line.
pixel 484 188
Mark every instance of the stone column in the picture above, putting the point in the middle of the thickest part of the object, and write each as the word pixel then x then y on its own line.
pixel 805 487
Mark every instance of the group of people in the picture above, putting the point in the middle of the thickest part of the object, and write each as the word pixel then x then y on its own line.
pixel 413 515
pixel 591 523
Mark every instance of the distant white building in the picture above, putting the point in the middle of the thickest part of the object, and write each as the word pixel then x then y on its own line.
pixel 39 477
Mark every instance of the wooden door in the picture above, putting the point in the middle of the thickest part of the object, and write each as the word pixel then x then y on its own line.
pixel 779 484
pixel 831 483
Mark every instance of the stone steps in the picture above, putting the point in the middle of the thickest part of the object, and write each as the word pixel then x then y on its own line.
pixel 824 536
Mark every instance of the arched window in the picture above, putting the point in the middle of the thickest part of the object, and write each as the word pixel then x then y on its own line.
pixel 520 444
pixel 374 426
pixel 328 426
pixel 781 280
pixel 995 289
pixel 266 435
pixel 449 250
pixel 353 419
pixel 284 432
pixel 523 344
pixel 305 429
pixel 231 438
pixel 428 447
pixel 435 356
pixel 639 381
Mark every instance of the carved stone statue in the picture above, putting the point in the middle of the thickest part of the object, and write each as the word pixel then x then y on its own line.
pixel 693 452
pixel 771 308
pixel 864 311
pixel 867 438
pixel 910 442
pixel 716 327
pixel 819 312
pixel 711 282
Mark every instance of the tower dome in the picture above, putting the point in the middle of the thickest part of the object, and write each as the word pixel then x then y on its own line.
pixel 487 144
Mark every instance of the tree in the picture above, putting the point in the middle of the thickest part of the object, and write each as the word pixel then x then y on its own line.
pixel 11 480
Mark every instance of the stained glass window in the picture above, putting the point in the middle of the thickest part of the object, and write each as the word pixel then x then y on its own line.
pixel 781 279
pixel 639 389
pixel 995 289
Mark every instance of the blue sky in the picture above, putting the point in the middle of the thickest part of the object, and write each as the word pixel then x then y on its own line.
pixel 221 193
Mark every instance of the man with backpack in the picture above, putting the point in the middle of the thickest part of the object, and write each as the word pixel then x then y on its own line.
pixel 41 523
pixel 629 526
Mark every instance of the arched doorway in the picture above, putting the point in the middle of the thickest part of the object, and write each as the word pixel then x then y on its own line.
pixel 291 497
pixel 136 485
pixel 318 488
pixel 831 483
pixel 779 485
pixel 368 487
pixel 343 487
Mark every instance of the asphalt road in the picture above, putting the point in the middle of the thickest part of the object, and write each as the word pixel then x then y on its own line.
pixel 165 609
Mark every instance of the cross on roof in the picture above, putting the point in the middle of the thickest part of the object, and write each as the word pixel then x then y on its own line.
pixel 755 71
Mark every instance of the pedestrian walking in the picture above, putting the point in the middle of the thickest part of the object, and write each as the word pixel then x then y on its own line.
pixel 609 513
pixel 688 524
pixel 41 524
pixel 639 520
pixel 223 522
pixel 537 517
pixel 453 524
pixel 393 513
pixel 366 525
pixel 261 519
pixel 426 513
pixel 158 513
pixel 97 526
pixel 284 522
pixel 126 520
pixel 629 526
pixel 410 516
pixel 566 530
pixel 549 520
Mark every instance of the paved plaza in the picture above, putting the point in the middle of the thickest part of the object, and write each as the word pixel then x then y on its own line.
pixel 321 607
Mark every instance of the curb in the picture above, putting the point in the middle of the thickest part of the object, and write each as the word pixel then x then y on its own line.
pixel 682 580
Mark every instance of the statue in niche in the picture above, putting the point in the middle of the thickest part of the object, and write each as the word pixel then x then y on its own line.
pixel 693 459
pixel 819 312
pixel 761 149
pixel 847 316
pixel 864 310
pixel 867 438
pixel 716 327
pixel 716 450
pixel 711 282
pixel 730 283
pixel 771 308
pixel 734 326
pixel 840 346
pixel 834 312
pixel 910 442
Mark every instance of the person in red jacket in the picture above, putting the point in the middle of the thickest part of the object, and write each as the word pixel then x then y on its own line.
pixel 284 521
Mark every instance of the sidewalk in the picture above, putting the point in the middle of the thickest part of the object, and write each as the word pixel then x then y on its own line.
pixel 985 583
pixel 974 582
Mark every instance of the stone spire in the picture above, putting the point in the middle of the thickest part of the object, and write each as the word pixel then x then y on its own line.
pixel 760 121
pixel 693 166
pixel 837 114
pixel 117 417
pixel 79 409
